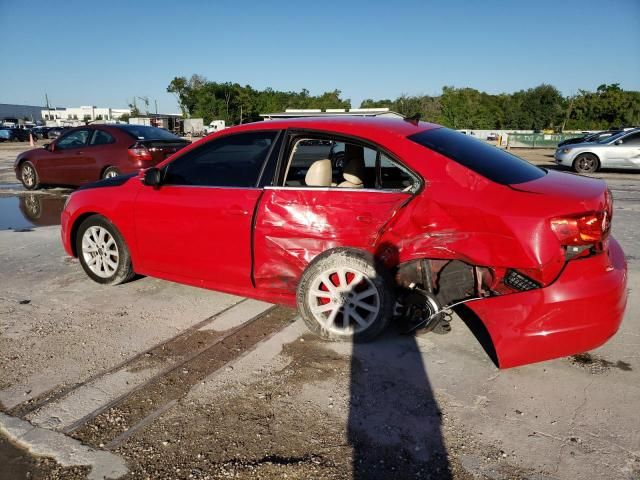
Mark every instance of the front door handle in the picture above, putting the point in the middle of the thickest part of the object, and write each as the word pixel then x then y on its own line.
pixel 364 218
pixel 79 153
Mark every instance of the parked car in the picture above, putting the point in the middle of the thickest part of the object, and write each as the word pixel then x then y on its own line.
pixel 89 153
pixel 618 151
pixel 419 218
pixel 41 132
pixel 55 132
pixel 11 134
pixel 591 137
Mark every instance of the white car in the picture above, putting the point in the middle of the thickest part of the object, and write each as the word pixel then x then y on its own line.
pixel 618 151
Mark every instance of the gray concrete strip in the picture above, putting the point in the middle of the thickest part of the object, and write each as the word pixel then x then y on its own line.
pixel 86 399
pixel 237 315
pixel 64 450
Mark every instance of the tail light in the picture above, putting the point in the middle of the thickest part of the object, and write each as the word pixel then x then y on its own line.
pixel 584 229
pixel 139 152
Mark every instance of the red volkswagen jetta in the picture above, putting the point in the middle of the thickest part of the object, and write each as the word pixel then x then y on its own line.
pixel 412 220
pixel 86 154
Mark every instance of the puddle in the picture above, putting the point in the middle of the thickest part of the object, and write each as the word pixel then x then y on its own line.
pixel 23 212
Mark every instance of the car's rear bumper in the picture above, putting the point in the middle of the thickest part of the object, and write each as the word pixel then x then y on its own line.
pixel 580 311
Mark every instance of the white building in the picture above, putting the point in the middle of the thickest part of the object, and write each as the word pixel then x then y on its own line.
pixel 81 115
pixel 331 112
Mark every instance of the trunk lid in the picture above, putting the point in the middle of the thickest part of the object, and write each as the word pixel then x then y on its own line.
pixel 588 192
pixel 161 149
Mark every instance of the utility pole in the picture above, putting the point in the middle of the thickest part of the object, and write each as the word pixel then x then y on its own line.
pixel 156 103
pixel 46 97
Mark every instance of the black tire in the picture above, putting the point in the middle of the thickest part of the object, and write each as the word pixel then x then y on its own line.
pixel 123 271
pixel 586 163
pixel 110 172
pixel 29 176
pixel 345 298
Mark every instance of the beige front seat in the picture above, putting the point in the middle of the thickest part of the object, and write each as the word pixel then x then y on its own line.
pixel 319 174
pixel 353 171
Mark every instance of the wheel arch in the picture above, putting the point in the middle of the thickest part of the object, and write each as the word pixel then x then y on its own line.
pixel 376 261
pixel 74 230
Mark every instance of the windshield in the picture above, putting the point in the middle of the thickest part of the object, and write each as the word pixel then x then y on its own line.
pixel 143 132
pixel 489 161
pixel 612 138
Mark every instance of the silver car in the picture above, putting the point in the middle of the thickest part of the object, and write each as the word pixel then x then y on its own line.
pixel 618 151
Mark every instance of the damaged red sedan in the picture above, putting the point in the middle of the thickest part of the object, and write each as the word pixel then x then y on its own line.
pixel 362 221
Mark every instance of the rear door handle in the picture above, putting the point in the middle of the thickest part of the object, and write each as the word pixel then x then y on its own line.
pixel 79 153
pixel 235 210
pixel 365 218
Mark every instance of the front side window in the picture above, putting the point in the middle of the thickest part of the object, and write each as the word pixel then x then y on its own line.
pixel 232 161
pixel 75 139
pixel 631 140
pixel 344 164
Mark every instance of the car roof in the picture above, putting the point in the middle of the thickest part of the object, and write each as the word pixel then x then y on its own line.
pixel 359 126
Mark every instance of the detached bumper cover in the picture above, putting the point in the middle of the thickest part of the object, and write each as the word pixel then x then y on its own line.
pixel 580 311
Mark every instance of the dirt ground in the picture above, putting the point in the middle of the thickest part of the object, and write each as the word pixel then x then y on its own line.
pixel 183 383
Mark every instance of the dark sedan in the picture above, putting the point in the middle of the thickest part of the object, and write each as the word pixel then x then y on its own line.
pixel 55 132
pixel 86 154
pixel 591 137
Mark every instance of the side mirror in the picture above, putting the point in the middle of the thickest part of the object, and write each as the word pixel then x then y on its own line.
pixel 152 177
pixel 618 142
pixel 48 146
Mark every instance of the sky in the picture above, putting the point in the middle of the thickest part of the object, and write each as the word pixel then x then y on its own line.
pixel 106 53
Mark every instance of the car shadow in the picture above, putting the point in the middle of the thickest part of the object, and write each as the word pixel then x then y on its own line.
pixel 394 424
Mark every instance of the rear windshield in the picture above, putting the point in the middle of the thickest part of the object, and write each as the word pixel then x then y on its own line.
pixel 487 160
pixel 142 132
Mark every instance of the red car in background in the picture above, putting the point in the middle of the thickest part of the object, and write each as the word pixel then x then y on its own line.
pixel 414 220
pixel 86 154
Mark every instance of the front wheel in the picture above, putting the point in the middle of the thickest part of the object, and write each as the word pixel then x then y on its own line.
pixel 342 296
pixel 586 163
pixel 102 252
pixel 29 176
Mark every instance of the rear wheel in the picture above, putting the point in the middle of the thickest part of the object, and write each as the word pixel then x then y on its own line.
pixel 102 252
pixel 586 163
pixel 342 296
pixel 110 173
pixel 29 176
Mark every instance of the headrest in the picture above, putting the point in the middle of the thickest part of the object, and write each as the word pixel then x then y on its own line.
pixel 353 170
pixel 319 174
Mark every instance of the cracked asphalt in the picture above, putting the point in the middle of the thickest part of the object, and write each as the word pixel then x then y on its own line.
pixel 186 383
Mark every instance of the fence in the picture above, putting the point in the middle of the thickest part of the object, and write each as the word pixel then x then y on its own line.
pixel 538 140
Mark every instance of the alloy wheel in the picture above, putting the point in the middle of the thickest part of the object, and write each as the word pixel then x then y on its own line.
pixel 344 300
pixel 28 175
pixel 100 251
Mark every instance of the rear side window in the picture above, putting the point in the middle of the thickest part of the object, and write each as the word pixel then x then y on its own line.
pixel 328 163
pixel 487 160
pixel 101 138
pixel 231 161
